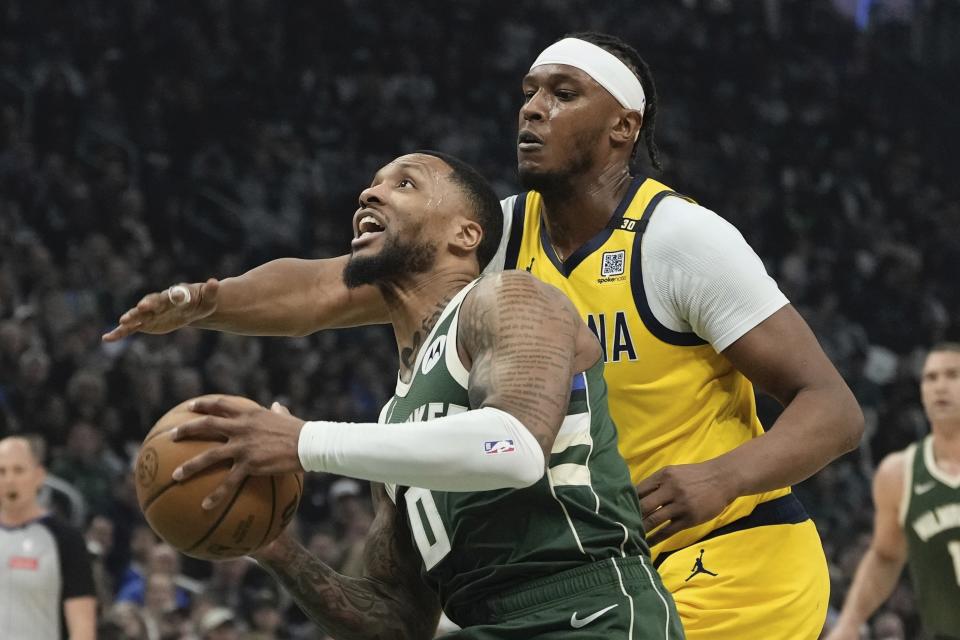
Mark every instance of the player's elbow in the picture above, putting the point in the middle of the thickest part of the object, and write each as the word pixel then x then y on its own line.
pixel 850 425
pixel 520 458
pixel 889 556
pixel 528 471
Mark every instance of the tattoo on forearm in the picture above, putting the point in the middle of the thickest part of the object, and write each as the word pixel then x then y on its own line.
pixel 391 602
pixel 344 607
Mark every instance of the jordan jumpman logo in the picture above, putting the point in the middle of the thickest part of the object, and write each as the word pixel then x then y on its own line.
pixel 698 568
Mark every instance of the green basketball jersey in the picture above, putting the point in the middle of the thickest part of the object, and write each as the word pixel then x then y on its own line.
pixel 475 545
pixel 931 520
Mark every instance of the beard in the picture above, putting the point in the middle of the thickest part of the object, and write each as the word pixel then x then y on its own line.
pixel 559 182
pixel 394 261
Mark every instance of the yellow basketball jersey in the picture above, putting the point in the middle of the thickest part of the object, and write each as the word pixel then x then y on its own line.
pixel 675 400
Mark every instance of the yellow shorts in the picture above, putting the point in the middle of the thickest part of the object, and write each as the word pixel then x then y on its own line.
pixel 768 582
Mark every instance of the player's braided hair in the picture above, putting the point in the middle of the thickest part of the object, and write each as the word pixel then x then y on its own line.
pixel 629 56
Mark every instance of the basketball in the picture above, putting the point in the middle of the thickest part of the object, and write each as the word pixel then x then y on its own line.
pixel 242 523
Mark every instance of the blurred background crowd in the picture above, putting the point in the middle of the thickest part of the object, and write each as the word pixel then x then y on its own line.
pixel 144 143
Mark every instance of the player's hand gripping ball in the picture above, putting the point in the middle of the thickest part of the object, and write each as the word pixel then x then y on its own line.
pixel 252 517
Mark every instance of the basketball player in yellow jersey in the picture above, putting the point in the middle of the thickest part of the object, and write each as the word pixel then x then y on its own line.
pixel 687 318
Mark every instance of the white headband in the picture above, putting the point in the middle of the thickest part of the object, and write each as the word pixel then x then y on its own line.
pixel 601 65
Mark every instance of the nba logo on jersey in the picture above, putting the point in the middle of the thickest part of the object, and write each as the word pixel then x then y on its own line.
pixel 498 446
pixel 612 264
pixel 432 357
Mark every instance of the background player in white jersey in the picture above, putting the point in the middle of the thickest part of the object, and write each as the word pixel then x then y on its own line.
pixel 916 494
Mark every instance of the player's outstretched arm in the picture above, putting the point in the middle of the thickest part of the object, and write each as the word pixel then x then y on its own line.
pixel 389 601
pixel 285 297
pixel 524 341
pixel 880 568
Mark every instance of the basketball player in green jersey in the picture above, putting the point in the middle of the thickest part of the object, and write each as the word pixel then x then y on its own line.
pixel 497 451
pixel 916 493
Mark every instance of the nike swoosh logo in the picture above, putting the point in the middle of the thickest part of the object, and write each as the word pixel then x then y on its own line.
pixel 576 624
pixel 921 489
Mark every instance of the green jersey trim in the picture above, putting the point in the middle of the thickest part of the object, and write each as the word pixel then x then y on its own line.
pixel 453 306
pixel 935 471
pixel 909 456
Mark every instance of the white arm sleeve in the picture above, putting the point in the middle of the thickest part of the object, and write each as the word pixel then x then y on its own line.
pixel 701 276
pixel 477 450
pixel 497 262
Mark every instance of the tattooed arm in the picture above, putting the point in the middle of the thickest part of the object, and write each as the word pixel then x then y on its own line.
pixel 525 341
pixel 389 601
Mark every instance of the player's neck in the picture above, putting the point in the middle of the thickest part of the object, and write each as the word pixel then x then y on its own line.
pixel 415 308
pixel 576 214
pixel 18 516
pixel 946 447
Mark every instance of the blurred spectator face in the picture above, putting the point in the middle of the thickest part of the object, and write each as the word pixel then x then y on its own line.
pixel 21 476
pixel 34 367
pixel 265 614
pixel 142 541
pixel 940 387
pixel 267 619
pixel 159 595
pixel 163 559
pixel 12 340
pixel 84 442
pixel 100 535
pixel 888 626
pixel 87 390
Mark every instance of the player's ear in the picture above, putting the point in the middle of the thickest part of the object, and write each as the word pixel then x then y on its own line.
pixel 467 235
pixel 41 476
pixel 626 129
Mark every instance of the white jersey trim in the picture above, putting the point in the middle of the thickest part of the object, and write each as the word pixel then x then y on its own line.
pixel 699 273
pixel 701 276
pixel 496 264
pixel 939 474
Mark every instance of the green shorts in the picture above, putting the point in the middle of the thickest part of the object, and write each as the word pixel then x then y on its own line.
pixel 605 600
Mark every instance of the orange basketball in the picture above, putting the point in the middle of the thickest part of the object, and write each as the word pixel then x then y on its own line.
pixel 242 523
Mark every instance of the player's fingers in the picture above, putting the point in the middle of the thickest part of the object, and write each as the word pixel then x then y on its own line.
pixel 653 501
pixel 200 462
pixel 135 315
pixel 225 407
pixel 666 531
pixel 276 407
pixel 207 427
pixel 150 303
pixel 208 294
pixel 120 331
pixel 227 488
pixel 650 484
pixel 656 517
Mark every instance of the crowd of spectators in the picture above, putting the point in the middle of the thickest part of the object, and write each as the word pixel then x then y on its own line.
pixel 144 143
